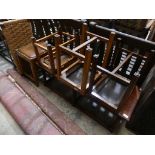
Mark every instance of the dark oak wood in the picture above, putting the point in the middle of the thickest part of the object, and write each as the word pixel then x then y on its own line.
pixel 93 72
pixel 86 69
pixel 51 58
pixel 109 46
pixel 131 43
pixel 103 91
pixel 109 55
pixel 48 60
pixel 81 66
pixel 58 55
pixel 83 36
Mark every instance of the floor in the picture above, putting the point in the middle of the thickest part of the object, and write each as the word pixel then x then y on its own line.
pixel 9 126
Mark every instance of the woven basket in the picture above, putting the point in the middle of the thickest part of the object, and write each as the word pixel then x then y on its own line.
pixel 17 33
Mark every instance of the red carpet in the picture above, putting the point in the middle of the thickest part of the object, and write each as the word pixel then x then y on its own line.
pixel 47 119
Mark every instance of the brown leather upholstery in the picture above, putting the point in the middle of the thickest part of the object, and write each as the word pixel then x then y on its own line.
pixel 28 50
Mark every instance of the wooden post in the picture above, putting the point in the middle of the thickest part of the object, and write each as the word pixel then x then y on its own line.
pixel 101 52
pixel 108 50
pixel 86 68
pixel 51 59
pixel 118 54
pixel 84 36
pixel 35 48
pixel 33 65
pixel 129 90
pixel 58 54
pixel 93 72
pixel 59 30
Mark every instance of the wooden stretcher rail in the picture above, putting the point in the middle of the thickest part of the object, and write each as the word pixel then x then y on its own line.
pixel 119 78
pixel 69 67
pixel 85 44
pixel 69 51
pixel 46 37
pixel 121 64
pixel 42 47
pixel 51 35
pixel 95 35
pixel 138 55
pixel 67 34
pixel 126 36
pixel 116 69
pixel 68 42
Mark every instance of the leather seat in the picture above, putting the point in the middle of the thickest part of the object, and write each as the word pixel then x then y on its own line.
pixel 111 91
pixel 27 53
pixel 28 50
pixel 76 75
